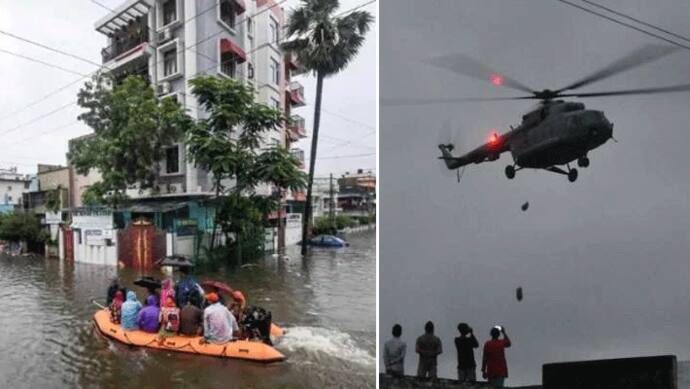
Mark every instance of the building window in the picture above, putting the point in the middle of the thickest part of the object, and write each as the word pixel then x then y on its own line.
pixel 9 188
pixel 250 28
pixel 275 103
pixel 275 71
pixel 172 160
pixel 228 66
pixel 250 71
pixel 227 14
pixel 275 32
pixel 169 11
pixel 170 62
pixel 26 185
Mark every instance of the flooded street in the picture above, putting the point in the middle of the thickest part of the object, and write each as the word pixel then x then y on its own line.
pixel 327 302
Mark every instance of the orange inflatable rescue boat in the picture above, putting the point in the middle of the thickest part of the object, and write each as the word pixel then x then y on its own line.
pixel 253 350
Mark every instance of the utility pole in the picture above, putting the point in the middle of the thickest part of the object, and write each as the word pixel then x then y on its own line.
pixel 331 213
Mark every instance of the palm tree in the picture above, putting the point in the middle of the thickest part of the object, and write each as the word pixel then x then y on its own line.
pixel 323 43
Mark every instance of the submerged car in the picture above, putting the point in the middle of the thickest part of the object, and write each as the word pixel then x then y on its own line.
pixel 327 241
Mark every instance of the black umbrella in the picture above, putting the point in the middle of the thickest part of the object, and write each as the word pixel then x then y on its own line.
pixel 148 283
pixel 175 261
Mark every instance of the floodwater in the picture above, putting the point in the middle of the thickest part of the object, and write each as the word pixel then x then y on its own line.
pixel 327 302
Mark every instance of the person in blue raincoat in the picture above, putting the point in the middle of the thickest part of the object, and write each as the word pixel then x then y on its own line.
pixel 130 311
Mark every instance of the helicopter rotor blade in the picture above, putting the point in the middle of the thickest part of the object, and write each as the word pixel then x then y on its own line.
pixel 467 66
pixel 403 102
pixel 641 56
pixel 639 91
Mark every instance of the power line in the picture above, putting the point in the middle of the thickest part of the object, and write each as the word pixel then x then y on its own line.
pixel 347 119
pixel 41 62
pixel 637 20
pixel 625 24
pixel 347 156
pixel 34 120
pixel 60 89
pixel 49 48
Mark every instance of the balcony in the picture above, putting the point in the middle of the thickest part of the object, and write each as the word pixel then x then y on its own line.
pixel 295 94
pixel 128 35
pixel 126 45
pixel 293 66
pixel 299 155
pixel 296 128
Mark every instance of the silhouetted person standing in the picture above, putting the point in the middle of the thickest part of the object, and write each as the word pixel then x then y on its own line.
pixel 428 348
pixel 465 345
pixel 494 365
pixel 394 353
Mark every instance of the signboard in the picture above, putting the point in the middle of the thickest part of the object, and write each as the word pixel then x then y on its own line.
pixel 53 217
pixel 294 219
pixel 186 227
pixel 94 237
pixel 93 221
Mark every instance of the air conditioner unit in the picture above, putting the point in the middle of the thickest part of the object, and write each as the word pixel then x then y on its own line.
pixel 165 35
pixel 163 88
pixel 175 188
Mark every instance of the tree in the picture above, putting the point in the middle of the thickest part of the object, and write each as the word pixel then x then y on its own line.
pixel 18 227
pixel 281 169
pixel 54 199
pixel 227 143
pixel 132 128
pixel 324 44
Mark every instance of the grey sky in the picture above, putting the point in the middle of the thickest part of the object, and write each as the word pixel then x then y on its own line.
pixel 604 261
pixel 68 25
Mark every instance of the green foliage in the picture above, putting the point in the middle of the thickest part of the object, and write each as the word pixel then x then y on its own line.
pixel 323 42
pixel 217 144
pixel 131 128
pixel 17 227
pixel 343 221
pixel 54 199
pixel 325 225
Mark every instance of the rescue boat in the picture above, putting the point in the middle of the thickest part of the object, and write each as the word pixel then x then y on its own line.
pixel 253 350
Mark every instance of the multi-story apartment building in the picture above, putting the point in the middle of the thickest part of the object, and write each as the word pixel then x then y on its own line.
pixel 170 42
pixel 12 185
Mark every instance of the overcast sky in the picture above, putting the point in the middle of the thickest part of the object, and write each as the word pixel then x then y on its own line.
pixel 68 25
pixel 603 261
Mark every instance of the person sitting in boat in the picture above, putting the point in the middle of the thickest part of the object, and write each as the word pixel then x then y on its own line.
pixel 219 324
pixel 153 292
pixel 116 307
pixel 191 318
pixel 187 287
pixel 238 304
pixel 167 291
pixel 169 318
pixel 148 318
pixel 130 311
pixel 114 288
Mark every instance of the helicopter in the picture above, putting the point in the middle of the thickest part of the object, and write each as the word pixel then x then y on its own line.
pixel 556 133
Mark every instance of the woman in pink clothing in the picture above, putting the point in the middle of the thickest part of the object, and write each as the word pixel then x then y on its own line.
pixel 167 291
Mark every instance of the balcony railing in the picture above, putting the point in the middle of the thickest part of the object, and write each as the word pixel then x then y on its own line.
pixel 124 43
pixel 296 94
pixel 296 128
pixel 299 155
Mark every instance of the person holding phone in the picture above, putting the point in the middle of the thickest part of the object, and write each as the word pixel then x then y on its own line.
pixel 465 345
pixel 494 365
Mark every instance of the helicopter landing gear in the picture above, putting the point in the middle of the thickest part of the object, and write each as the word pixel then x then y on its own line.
pixel 510 172
pixel 583 161
pixel 572 175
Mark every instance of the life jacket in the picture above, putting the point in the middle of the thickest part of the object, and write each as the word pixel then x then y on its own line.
pixel 171 318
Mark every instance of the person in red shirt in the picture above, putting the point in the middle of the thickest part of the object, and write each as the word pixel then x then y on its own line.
pixel 494 365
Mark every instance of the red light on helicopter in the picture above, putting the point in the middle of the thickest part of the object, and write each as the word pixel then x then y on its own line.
pixel 493 138
pixel 496 79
